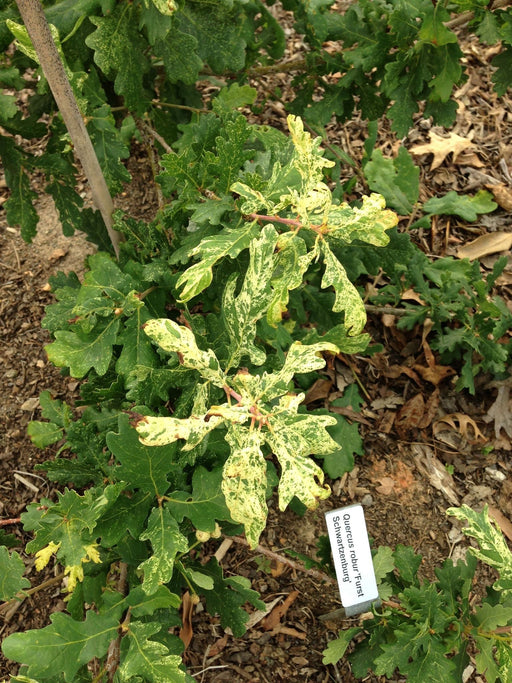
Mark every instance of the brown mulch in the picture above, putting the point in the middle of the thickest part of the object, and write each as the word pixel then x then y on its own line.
pixel 398 477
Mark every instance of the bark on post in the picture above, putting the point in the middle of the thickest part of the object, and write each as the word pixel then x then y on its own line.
pixel 35 22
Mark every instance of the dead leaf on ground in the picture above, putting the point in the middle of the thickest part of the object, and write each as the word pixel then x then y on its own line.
pixel 218 646
pixel 460 422
pixel 417 413
pixel 387 486
pixel 502 194
pixel 490 243
pixel 503 522
pixel 273 620
pixel 441 147
pixel 501 411
pixel 318 391
pixel 187 608
pixel 411 295
pixel 433 469
pixel 57 254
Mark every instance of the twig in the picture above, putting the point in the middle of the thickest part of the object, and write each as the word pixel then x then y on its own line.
pixel 158 138
pixel 370 308
pixel 320 576
pixel 24 594
pixel 466 17
pixel 7 522
pixel 114 649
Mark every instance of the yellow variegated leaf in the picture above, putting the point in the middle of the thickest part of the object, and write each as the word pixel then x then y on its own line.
pixel 292 438
pixel 161 431
pixel 313 201
pixel 173 337
pixel 242 312
pixel 368 223
pixel 300 358
pixel 292 261
pixel 299 478
pixel 347 296
pixel 244 482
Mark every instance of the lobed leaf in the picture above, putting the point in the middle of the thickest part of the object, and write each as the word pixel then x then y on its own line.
pixel 244 481
pixel 12 569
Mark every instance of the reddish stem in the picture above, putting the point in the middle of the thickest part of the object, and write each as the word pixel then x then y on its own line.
pixel 13 520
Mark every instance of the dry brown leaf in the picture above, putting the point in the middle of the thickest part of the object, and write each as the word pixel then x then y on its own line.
pixel 490 243
pixel 57 254
pixel 441 147
pixel 427 463
pixel 501 412
pixel 417 413
pixel 503 522
pixel 464 421
pixel 318 391
pixel 188 603
pixel 436 374
pixel 387 486
pixel 218 646
pixel 273 620
pixel 502 194
pixel 469 158
pixel 411 295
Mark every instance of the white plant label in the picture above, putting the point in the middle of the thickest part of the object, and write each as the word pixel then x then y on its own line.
pixel 352 558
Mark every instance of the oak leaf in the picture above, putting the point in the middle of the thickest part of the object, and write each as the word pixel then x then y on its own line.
pixel 440 147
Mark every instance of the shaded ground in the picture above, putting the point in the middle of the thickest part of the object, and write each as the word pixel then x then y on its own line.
pixel 402 479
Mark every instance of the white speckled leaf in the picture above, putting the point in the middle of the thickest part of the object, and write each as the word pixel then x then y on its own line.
pixel 241 313
pixel 291 262
pixel 293 438
pixel 161 431
pixel 212 249
pixel 244 482
pixel 166 541
pixel 347 296
pixel 173 337
pixel 300 358
pixel 368 223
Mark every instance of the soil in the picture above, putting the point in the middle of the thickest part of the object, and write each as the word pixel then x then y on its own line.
pixel 412 470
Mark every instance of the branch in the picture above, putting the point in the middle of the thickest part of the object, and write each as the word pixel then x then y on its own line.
pixel 34 18
pixel 320 576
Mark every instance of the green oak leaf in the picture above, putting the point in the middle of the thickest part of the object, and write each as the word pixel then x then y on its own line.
pixel 141 467
pixel 228 597
pixel 119 51
pixel 166 542
pixel 12 569
pixel 19 208
pixel 244 482
pixel 489 617
pixel 397 180
pixel 148 658
pixel 142 604
pixel 109 147
pixel 454 204
pixel 204 504
pixel 80 351
pixel 179 52
pixel 337 647
pixel 70 523
pixel 65 645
